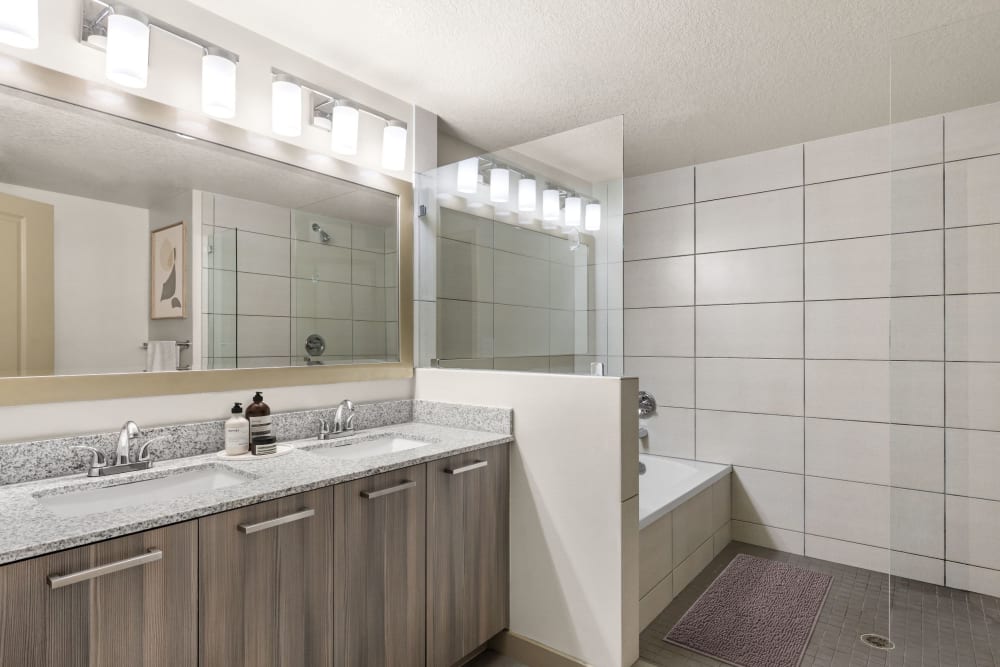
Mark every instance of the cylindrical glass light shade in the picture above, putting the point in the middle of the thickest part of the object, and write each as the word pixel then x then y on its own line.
pixel 527 194
pixel 286 107
pixel 126 61
pixel 394 146
pixel 218 83
pixel 19 23
pixel 550 205
pixel 592 220
pixel 344 134
pixel 468 175
pixel 574 211
pixel 499 185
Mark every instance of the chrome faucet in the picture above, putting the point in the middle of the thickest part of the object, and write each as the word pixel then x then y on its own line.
pixel 130 433
pixel 343 421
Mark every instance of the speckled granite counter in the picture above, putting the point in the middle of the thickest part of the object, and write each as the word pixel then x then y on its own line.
pixel 30 529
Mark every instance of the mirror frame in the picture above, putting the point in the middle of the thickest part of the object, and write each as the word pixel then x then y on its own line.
pixel 28 77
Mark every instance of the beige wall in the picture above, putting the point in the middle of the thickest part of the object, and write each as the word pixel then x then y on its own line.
pixel 574 505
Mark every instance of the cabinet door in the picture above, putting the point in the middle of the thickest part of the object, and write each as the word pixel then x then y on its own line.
pixel 379 581
pixel 127 601
pixel 266 584
pixel 467 553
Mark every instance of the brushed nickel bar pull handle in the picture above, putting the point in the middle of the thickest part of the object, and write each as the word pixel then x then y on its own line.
pixel 472 466
pixel 63 580
pixel 250 528
pixel 402 486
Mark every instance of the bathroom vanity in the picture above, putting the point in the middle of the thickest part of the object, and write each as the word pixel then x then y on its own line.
pixel 315 558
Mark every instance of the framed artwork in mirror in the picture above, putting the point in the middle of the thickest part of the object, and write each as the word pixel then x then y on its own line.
pixel 167 273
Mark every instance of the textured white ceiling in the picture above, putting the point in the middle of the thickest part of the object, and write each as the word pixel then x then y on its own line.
pixel 695 79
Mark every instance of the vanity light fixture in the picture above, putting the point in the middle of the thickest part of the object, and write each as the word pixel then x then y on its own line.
pixel 527 194
pixel 286 106
pixel 574 210
pixel 19 23
pixel 127 58
pixel 550 205
pixel 468 176
pixel 344 131
pixel 499 185
pixel 218 82
pixel 394 146
pixel 592 220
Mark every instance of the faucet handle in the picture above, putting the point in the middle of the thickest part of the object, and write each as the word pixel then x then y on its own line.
pixel 97 459
pixel 324 430
pixel 143 454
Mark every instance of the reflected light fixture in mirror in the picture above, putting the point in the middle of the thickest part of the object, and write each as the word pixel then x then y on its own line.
pixel 592 220
pixel 468 175
pixel 19 23
pixel 218 83
pixel 394 146
pixel 286 107
pixel 499 185
pixel 550 205
pixel 527 193
pixel 344 136
pixel 574 209
pixel 127 59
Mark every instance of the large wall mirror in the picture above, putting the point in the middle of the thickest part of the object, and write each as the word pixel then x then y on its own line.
pixel 129 248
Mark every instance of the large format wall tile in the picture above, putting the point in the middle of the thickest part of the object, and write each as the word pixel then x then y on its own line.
pixel 789 541
pixel 899 146
pixel 520 281
pixel 848 511
pixel 252 216
pixel 747 174
pixel 263 336
pixel 971 259
pixel 520 331
pixel 465 271
pixel 973 394
pixel 750 221
pixel 669 379
pixel 901 201
pixel 973 531
pixel 768 498
pixel 464 330
pixel 972 196
pixel 259 253
pixel 671 430
pixel 906 392
pixel 664 232
pixel 659 190
pixel 771 442
pixel 263 295
pixel 757 330
pixel 656 283
pixel 973 462
pixel 972 327
pixel 659 332
pixel 772 386
pixel 972 132
pixel 749 276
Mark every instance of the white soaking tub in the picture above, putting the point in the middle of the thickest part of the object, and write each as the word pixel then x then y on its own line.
pixel 684 514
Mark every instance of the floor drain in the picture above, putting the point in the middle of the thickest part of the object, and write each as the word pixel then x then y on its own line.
pixel 878 641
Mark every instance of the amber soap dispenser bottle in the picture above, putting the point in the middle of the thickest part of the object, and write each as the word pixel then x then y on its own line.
pixel 261 433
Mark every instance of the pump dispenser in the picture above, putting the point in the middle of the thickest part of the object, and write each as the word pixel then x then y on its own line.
pixel 237 432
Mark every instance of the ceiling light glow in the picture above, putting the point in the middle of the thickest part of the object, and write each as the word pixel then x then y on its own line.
pixel 394 146
pixel 218 83
pixel 344 132
pixel 286 107
pixel 127 58
pixel 19 23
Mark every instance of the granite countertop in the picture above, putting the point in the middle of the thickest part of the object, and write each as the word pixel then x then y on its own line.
pixel 30 529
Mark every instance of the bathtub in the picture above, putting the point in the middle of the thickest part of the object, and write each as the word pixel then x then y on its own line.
pixel 668 482
pixel 684 522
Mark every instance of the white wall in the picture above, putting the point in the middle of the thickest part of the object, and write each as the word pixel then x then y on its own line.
pixel 179 208
pixel 824 317
pixel 574 506
pixel 101 282
pixel 175 72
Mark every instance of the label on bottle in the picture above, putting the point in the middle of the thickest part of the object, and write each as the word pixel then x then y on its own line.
pixel 260 426
pixel 237 437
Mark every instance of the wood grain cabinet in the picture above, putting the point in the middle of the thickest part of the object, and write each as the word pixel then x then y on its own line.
pixel 467 553
pixel 266 592
pixel 126 601
pixel 380 577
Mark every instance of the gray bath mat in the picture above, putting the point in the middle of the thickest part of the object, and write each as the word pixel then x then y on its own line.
pixel 757 613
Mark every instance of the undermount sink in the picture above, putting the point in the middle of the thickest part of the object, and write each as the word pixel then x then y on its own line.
pixel 366 448
pixel 130 494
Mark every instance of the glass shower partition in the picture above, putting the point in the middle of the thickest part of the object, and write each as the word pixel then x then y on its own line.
pixel 519 257
pixel 945 343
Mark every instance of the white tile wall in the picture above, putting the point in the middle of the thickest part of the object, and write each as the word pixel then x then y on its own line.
pixel 666 282
pixel 748 276
pixel 669 379
pixel 893 247
pixel 258 294
pixel 659 190
pixel 750 221
pixel 671 432
pixel 663 232
pixel 747 174
pixel 757 330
